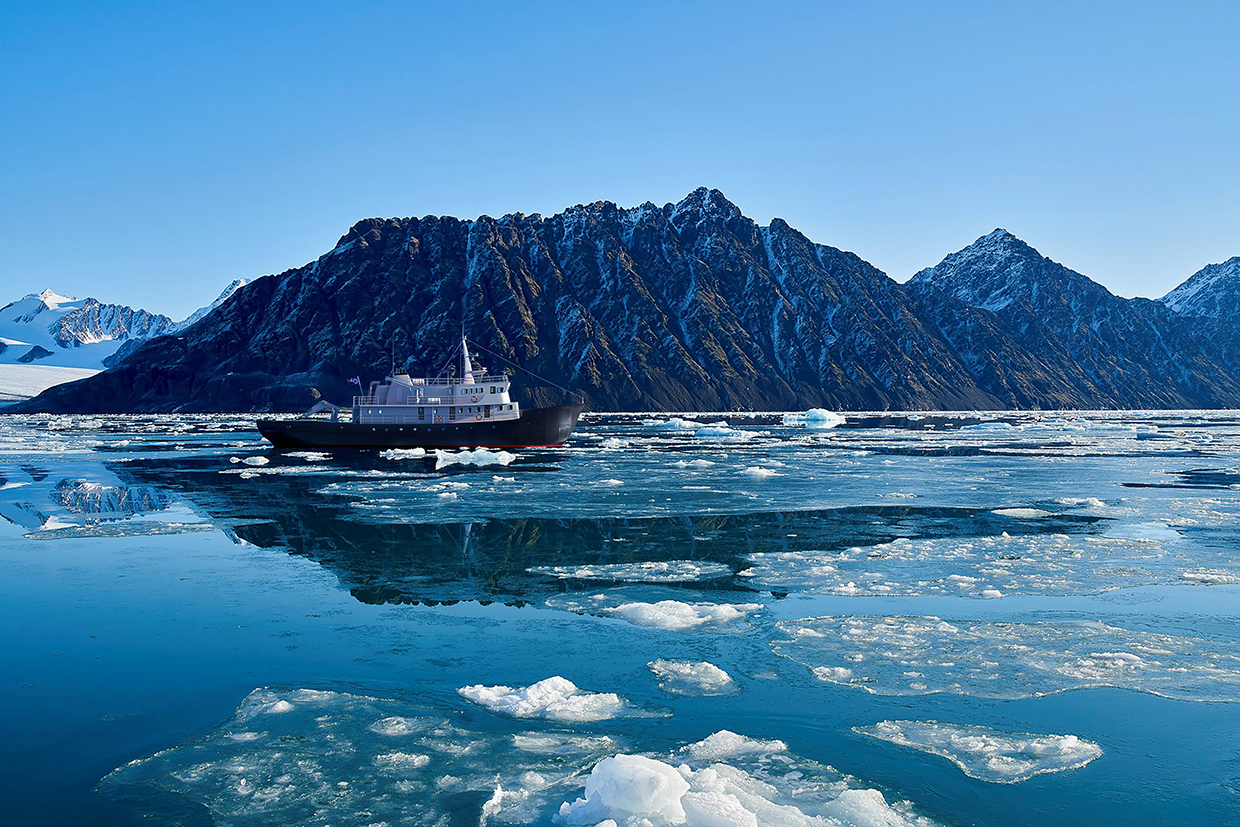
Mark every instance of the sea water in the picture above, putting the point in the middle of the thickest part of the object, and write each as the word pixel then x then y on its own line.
pixel 894 619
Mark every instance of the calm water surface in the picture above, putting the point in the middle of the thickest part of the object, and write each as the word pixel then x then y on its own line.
pixel 197 630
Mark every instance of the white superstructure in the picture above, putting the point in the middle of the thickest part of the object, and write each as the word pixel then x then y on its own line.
pixel 475 396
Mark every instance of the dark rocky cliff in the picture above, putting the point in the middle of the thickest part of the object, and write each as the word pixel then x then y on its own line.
pixel 688 306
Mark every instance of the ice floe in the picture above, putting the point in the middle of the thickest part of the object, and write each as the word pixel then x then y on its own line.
pixel 1021 513
pixel 340 758
pixel 923 655
pixel 668 615
pixel 723 432
pixel 686 677
pixel 988 754
pixel 815 418
pixel 758 472
pixel 657 571
pixel 479 456
pixel 755 784
pixel 555 698
pixel 403 453
pixel 309 456
pixel 673 424
pixel 990 566
pixel 675 615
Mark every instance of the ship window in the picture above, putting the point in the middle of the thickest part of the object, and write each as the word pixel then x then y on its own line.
pixel 421 414
pixel 452 412
pixel 492 389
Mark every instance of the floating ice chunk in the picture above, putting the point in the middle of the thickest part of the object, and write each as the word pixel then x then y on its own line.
pixel 448 496
pixel 685 677
pixel 256 461
pixel 611 482
pixel 309 456
pixel 988 754
pixel 614 443
pixel 673 424
pixel 991 594
pixel 726 744
pixel 556 698
pixel 722 432
pixel 1023 513
pixel 897 495
pixel 403 453
pixel 673 615
pixel 626 787
pixel 401 760
pixel 693 463
pixel 1082 502
pixel 660 571
pixel 479 456
pixel 498 478
pixel 1210 577
pixel 816 418
pixel 923 655
pixel 758 472
pixel 748 791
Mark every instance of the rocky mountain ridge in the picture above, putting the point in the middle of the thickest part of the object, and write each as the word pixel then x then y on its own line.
pixel 52 329
pixel 685 306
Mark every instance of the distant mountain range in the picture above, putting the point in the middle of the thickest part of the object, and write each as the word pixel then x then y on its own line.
pixel 686 306
pixel 47 338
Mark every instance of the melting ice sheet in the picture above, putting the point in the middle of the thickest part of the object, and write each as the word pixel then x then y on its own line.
pixel 988 754
pixel 308 757
pixel 922 655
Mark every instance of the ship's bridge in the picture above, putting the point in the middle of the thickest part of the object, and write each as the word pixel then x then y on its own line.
pixel 476 396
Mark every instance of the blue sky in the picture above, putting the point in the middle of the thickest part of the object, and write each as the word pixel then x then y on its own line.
pixel 150 153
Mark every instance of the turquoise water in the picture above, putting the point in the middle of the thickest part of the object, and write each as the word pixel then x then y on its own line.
pixel 188 638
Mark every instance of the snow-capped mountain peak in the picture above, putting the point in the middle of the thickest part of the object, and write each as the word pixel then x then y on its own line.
pixel 201 312
pixel 1212 291
pixel 49 328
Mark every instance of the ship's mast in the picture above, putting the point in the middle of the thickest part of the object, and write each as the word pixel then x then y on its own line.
pixel 467 376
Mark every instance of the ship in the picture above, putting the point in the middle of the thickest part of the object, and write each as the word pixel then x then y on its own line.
pixel 472 410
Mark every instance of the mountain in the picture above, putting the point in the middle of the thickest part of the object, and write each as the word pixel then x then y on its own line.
pixel 49 329
pixel 1091 345
pixel 1213 291
pixel 685 306
pixel 201 312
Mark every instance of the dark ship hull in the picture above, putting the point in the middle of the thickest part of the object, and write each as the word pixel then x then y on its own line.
pixel 536 428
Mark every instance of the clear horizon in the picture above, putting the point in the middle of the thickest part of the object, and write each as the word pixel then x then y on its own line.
pixel 156 154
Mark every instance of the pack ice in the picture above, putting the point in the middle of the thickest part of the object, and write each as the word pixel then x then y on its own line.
pixel 988 754
pixel 923 655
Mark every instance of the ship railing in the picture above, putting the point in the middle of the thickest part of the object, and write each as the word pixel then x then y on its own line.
pixel 480 375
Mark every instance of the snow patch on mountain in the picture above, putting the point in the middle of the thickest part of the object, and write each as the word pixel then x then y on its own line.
pixel 1212 291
